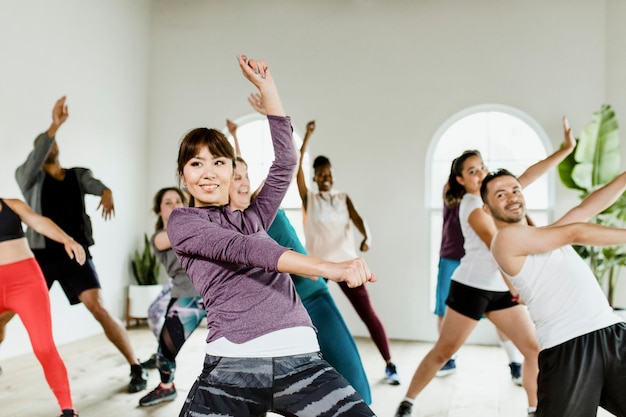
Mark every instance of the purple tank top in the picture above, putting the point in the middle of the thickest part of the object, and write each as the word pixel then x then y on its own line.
pixel 451 234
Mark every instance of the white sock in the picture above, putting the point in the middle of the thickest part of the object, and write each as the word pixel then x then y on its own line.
pixel 512 352
pixel 532 409
pixel 409 400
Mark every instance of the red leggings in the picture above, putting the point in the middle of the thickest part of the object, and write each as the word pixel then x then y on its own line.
pixel 23 290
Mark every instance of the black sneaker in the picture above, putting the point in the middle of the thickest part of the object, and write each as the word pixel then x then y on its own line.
pixel 150 363
pixel 516 373
pixel 391 375
pixel 404 409
pixel 158 395
pixel 68 412
pixel 138 378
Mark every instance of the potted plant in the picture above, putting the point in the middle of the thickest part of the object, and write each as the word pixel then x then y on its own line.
pixel 146 267
pixel 595 162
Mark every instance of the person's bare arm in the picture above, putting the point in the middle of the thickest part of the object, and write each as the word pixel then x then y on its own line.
pixel 300 180
pixel 60 113
pixel 354 272
pixel 483 225
pixel 537 170
pixel 596 202
pixel 232 129
pixel 48 228
pixel 514 243
pixel 259 74
pixel 360 225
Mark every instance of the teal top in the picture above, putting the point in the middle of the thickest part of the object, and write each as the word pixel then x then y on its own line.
pixel 285 235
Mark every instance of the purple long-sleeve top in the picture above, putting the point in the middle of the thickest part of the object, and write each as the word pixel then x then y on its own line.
pixel 232 261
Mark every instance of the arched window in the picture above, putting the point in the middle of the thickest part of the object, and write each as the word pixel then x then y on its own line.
pixel 255 141
pixel 507 138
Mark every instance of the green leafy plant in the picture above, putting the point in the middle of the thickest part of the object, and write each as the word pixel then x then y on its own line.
pixel 146 265
pixel 595 162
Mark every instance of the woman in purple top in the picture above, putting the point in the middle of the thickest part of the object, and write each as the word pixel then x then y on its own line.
pixel 262 350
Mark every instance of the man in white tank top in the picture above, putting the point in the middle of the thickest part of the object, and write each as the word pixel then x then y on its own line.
pixel 582 364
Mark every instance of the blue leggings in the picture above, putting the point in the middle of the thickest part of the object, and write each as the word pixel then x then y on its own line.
pixel 336 343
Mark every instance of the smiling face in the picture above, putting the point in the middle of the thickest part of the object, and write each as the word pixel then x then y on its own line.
pixel 207 178
pixel 240 188
pixel 323 178
pixel 505 200
pixel 472 174
pixel 171 200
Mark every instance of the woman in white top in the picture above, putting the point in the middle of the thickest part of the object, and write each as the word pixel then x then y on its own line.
pixel 478 287
pixel 328 231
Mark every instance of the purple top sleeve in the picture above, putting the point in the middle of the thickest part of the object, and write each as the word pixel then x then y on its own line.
pixel 232 261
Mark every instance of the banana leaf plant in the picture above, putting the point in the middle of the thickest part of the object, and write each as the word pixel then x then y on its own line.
pixel 595 162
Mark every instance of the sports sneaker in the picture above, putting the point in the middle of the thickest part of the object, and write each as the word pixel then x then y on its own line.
pixel 448 368
pixel 158 395
pixel 150 363
pixel 531 414
pixel 516 373
pixel 138 378
pixel 404 409
pixel 391 374
pixel 68 412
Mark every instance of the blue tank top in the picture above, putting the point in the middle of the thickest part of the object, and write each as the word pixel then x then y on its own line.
pixel 10 224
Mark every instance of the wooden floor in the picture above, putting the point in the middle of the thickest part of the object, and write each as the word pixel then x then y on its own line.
pixel 99 375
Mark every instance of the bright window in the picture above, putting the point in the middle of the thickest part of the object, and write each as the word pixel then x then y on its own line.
pixel 506 138
pixel 255 142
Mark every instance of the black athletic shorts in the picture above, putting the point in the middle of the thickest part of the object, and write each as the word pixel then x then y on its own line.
pixel 73 278
pixel 473 302
pixel 583 373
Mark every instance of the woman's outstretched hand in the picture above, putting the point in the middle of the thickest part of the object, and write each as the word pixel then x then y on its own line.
pixel 258 73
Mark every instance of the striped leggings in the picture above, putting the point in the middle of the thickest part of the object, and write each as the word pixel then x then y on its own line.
pixel 295 386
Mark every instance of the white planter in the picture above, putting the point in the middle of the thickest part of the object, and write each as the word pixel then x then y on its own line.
pixel 139 299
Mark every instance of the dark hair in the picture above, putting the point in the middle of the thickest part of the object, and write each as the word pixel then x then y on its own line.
pixel 190 145
pixel 240 159
pixel 500 172
pixel 456 191
pixel 321 161
pixel 158 199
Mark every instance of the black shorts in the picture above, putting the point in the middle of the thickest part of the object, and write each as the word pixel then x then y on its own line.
pixel 73 278
pixel 473 302
pixel 583 373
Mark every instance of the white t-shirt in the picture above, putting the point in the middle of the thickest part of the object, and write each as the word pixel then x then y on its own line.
pixel 478 269
pixel 563 297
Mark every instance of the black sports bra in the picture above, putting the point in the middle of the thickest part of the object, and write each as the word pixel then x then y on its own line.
pixel 10 224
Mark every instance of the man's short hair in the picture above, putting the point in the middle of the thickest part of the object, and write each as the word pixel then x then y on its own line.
pixel 500 172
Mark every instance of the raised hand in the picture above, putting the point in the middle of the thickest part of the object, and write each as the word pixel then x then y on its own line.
pixel 570 141
pixel 232 127
pixel 60 113
pixel 256 102
pixel 310 127
pixel 258 73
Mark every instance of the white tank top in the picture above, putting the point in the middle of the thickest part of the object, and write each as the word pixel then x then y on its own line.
pixel 478 269
pixel 328 228
pixel 563 297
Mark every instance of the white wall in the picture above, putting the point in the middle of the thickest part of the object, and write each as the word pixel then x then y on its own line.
pixel 378 77
pixel 96 53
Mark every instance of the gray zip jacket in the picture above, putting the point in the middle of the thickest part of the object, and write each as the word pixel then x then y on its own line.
pixel 30 177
